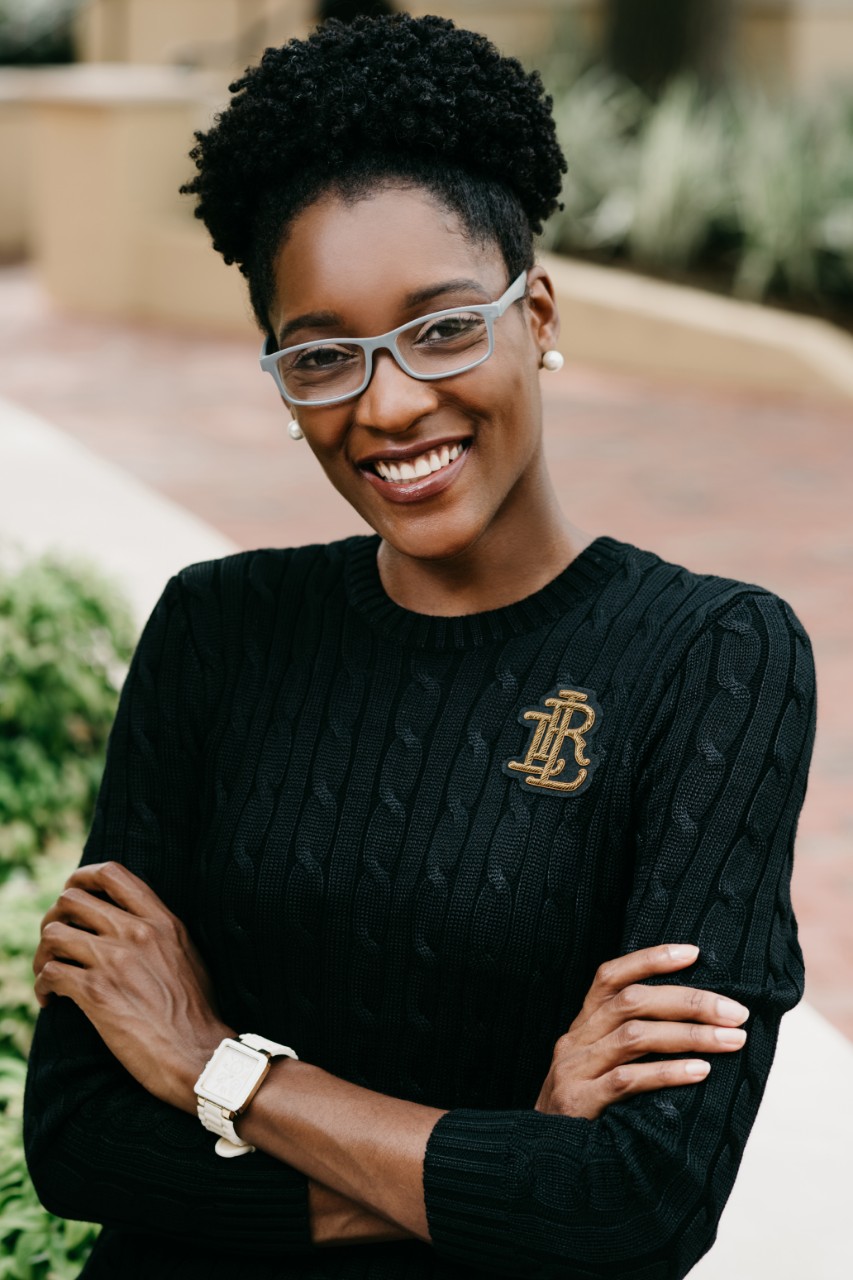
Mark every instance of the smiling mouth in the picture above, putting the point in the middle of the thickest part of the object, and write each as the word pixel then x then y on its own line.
pixel 418 468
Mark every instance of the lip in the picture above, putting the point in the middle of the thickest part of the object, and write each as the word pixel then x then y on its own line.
pixel 417 490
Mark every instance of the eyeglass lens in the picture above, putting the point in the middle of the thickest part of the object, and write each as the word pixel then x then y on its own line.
pixel 329 368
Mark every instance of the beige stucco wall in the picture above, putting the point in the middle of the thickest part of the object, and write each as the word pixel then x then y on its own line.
pixel 227 33
pixel 232 33
pixel 96 178
pixel 790 42
pixel 15 193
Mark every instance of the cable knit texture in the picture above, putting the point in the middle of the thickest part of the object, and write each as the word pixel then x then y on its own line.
pixel 313 779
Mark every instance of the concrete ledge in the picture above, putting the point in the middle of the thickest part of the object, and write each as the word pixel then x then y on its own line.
pixel 624 321
pixel 57 496
pixel 108 84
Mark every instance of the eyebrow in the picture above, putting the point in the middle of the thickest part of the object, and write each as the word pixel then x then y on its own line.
pixel 419 297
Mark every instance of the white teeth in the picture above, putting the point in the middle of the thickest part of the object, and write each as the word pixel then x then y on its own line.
pixel 416 468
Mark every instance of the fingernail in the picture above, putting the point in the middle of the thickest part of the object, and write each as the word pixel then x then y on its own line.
pixel 732 1011
pixel 683 952
pixel 696 1068
pixel 731 1036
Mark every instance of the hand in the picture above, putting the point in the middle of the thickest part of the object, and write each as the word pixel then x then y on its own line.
pixel 594 1063
pixel 131 967
pixel 335 1219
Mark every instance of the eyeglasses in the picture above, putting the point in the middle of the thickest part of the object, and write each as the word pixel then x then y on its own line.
pixel 438 345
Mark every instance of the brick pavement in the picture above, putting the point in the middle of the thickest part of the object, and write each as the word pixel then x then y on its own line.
pixel 752 486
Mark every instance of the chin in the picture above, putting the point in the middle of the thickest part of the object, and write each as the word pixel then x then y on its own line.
pixel 434 539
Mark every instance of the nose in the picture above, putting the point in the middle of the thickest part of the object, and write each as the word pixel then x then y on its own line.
pixel 393 401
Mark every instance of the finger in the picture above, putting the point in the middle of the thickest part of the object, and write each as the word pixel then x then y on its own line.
pixel 667 1003
pixel 58 979
pixel 644 1077
pixel 120 885
pixel 63 942
pixel 635 1038
pixel 613 975
pixel 78 907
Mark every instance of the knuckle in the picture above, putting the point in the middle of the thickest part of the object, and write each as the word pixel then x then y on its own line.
pixel 632 1033
pixel 620 1079
pixel 112 873
pixel 695 999
pixel 606 973
pixel 630 998
pixel 139 932
pixel 564 1044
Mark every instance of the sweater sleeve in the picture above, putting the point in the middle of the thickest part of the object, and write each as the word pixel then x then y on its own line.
pixel 638 1192
pixel 99 1147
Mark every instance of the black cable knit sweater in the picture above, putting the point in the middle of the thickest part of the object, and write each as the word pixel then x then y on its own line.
pixel 320 784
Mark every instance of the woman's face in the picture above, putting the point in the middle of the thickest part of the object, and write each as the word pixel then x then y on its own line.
pixel 360 268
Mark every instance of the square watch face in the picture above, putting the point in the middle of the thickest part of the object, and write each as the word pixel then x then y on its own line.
pixel 231 1074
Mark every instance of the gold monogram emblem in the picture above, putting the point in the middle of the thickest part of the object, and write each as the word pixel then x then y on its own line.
pixel 564 714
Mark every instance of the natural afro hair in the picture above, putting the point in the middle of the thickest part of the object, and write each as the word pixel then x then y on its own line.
pixel 390 98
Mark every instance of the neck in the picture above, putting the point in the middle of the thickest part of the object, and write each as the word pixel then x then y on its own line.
pixel 526 546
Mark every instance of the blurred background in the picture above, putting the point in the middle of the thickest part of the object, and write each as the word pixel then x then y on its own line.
pixel 703 262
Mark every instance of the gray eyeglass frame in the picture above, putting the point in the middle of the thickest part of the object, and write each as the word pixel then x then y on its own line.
pixel 490 311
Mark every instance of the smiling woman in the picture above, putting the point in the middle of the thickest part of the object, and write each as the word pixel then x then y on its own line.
pixel 435 872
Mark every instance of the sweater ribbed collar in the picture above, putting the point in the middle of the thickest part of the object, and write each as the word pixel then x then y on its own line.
pixel 365 592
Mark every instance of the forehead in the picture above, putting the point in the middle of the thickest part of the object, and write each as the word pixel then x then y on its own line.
pixel 361 257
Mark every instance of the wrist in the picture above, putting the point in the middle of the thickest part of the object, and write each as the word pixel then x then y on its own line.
pixel 228 1083
pixel 192 1061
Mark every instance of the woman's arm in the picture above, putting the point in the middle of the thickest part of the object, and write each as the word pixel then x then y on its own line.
pixel 110 945
pixel 639 1190
pixel 99 1146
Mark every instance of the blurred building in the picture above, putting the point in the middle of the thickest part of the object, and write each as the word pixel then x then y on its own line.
pixel 92 155
pixel 799 43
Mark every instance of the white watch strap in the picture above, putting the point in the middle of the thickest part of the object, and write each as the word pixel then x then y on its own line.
pixel 213 1117
pixel 269 1047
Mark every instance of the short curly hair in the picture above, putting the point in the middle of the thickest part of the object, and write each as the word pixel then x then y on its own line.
pixel 381 100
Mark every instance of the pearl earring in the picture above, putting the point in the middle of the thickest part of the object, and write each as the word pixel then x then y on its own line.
pixel 294 430
pixel 553 361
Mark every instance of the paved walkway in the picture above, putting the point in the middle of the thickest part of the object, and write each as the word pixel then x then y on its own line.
pixel 753 487
pixel 152 410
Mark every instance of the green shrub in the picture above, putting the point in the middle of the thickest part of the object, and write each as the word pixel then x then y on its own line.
pixel 33 1244
pixel 683 189
pixel 36 31
pixel 758 193
pixel 65 637
pixel 598 120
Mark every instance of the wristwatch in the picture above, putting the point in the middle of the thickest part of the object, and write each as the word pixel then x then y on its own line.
pixel 228 1083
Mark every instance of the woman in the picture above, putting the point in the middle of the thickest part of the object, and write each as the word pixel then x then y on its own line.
pixel 487 820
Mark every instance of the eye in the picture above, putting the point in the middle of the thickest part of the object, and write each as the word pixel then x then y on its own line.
pixel 321 358
pixel 449 329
